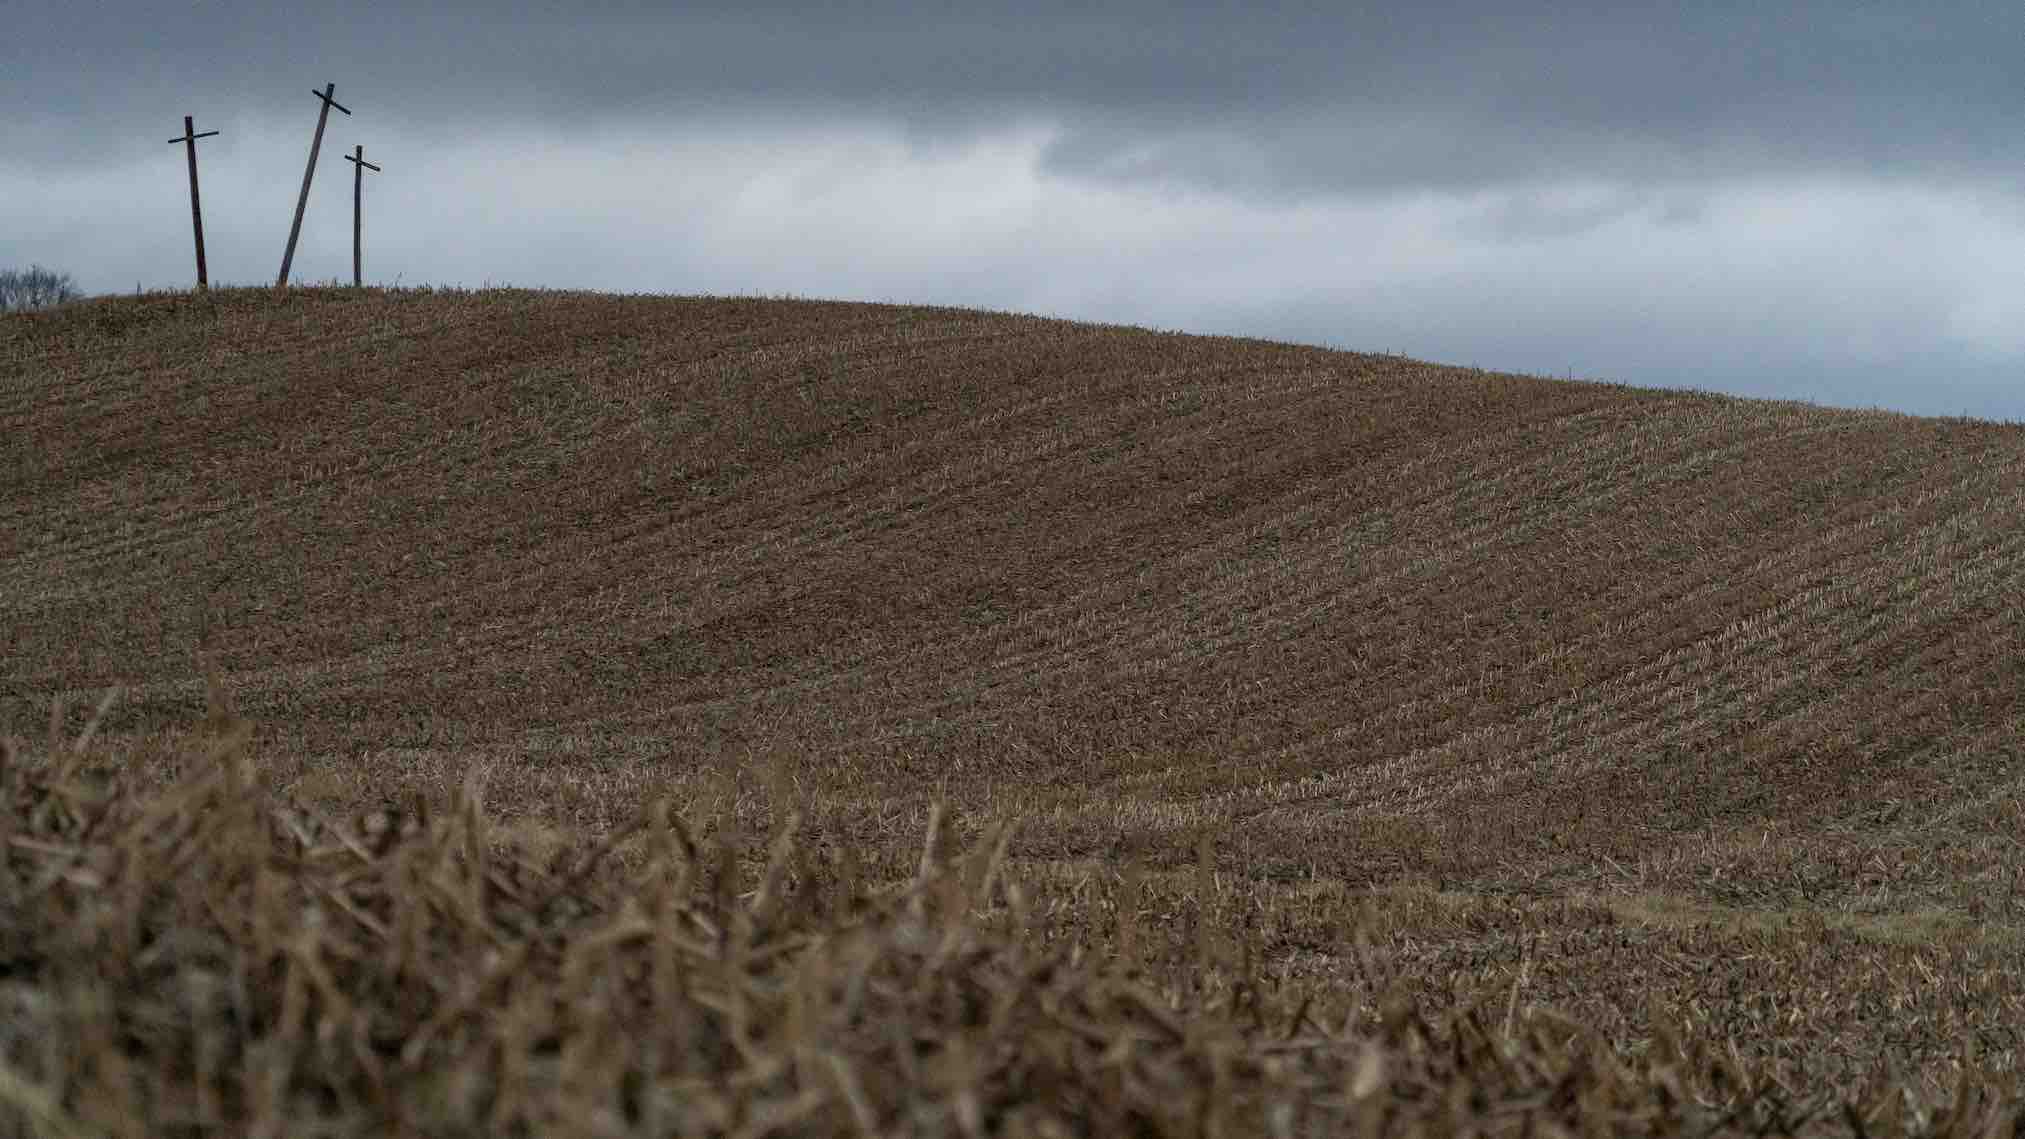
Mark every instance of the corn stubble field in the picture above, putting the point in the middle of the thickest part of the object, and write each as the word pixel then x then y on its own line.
pixel 511 712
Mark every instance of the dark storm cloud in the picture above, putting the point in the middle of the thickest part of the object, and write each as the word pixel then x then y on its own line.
pixel 1257 100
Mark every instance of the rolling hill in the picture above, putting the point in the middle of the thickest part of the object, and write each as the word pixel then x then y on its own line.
pixel 1677 663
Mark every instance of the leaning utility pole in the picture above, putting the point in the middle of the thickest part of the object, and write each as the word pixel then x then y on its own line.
pixel 303 201
pixel 359 168
pixel 189 139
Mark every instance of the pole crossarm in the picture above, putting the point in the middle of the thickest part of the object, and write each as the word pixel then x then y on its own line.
pixel 325 95
pixel 302 202
pixel 189 141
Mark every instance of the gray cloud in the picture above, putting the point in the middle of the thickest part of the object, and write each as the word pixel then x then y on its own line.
pixel 1300 97
pixel 1820 200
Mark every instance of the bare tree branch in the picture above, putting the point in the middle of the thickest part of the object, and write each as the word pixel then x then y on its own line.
pixel 35 288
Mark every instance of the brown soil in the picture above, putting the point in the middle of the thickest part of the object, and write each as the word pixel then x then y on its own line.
pixel 1683 716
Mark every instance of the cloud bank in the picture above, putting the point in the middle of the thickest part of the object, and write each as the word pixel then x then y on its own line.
pixel 1819 202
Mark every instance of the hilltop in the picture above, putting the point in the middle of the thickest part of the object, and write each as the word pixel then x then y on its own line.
pixel 1652 674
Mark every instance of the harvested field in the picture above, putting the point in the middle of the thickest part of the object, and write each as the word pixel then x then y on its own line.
pixel 1336 737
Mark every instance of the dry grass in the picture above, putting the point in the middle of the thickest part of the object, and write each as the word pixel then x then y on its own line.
pixel 1460 709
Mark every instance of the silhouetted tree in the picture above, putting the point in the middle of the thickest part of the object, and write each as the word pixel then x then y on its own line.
pixel 35 287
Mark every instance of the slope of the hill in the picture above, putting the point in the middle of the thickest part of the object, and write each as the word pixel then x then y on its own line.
pixel 1151 581
pixel 1359 619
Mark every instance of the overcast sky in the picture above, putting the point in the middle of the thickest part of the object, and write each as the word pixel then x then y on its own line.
pixel 1810 200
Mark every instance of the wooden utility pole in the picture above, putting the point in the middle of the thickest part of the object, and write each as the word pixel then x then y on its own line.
pixel 359 167
pixel 314 144
pixel 189 141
